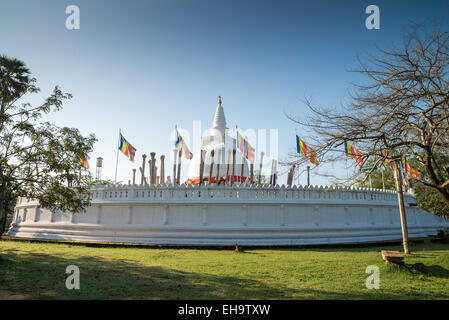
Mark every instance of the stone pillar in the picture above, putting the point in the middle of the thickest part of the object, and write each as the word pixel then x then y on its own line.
pixel 228 161
pixel 203 152
pixel 175 153
pixel 260 168
pixel 211 169
pixel 142 180
pixel 178 178
pixel 217 176
pixel 242 168
pixel 153 164
pixel 162 170
pixel 233 167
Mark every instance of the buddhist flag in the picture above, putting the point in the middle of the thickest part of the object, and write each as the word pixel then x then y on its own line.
pixel 83 161
pixel 245 148
pixel 412 171
pixel 354 154
pixel 305 151
pixel 182 146
pixel 126 148
pixel 388 163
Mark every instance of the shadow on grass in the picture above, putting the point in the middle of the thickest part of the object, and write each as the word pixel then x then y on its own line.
pixel 42 276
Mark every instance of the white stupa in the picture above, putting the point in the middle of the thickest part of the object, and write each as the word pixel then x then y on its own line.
pixel 222 144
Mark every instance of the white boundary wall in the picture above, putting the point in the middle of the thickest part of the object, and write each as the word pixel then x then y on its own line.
pixel 220 215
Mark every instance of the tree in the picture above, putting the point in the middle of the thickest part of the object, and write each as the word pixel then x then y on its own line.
pixel 402 109
pixel 37 159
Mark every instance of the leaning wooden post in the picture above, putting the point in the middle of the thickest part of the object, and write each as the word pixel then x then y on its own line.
pixel 397 178
pixel 228 162
pixel 217 176
pixel 260 168
pixel 134 176
pixel 175 153
pixel 233 166
pixel 144 156
pixel 162 170
pixel 178 178
pixel 211 169
pixel 202 166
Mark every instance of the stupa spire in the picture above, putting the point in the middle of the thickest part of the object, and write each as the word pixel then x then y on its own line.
pixel 219 119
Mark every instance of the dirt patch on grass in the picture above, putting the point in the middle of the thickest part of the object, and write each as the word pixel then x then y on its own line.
pixel 7 295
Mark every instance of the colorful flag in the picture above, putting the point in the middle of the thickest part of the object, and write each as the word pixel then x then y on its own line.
pixel 388 163
pixel 126 148
pixel 412 171
pixel 354 154
pixel 84 162
pixel 305 151
pixel 245 148
pixel 181 145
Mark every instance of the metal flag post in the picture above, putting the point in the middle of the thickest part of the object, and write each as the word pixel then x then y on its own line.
pixel 116 161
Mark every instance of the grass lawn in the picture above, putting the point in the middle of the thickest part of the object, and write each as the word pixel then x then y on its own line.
pixel 36 270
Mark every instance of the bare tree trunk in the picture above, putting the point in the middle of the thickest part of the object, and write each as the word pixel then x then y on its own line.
pixel 397 177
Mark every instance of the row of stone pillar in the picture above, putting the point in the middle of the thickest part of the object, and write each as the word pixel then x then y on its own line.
pixel 153 177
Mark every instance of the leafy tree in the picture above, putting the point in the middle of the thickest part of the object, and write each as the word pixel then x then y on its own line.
pixel 37 159
pixel 402 109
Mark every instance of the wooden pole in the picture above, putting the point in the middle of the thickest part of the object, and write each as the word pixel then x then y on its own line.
pixel 275 172
pixel 144 156
pixel 233 167
pixel 153 164
pixel 308 175
pixel 217 176
pixel 178 178
pixel 260 168
pixel 175 153
pixel 251 168
pixel 228 162
pixel 398 180
pixel 212 153
pixel 271 172
pixel 202 166
pixel 150 174
pixel 162 170
pixel 242 168
pixel 142 172
pixel 134 176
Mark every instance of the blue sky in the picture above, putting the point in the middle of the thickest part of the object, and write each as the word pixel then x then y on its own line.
pixel 145 66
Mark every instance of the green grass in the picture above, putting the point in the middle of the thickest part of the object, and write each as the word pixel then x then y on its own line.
pixel 37 270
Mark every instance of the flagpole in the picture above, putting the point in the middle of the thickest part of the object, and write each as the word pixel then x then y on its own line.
pixel 116 160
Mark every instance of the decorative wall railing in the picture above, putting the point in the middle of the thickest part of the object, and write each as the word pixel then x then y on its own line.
pixel 212 193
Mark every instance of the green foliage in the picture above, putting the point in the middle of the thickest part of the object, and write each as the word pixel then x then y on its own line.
pixel 37 159
pixel 429 199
